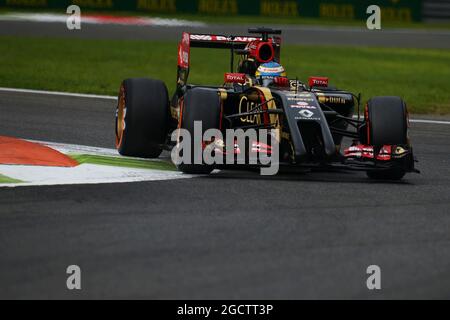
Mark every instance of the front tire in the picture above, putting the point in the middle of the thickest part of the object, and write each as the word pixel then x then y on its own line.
pixel 141 118
pixel 200 104
pixel 387 124
pixel 387 121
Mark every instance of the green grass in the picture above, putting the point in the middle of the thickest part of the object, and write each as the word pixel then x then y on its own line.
pixel 421 76
pixel 123 162
pixel 5 179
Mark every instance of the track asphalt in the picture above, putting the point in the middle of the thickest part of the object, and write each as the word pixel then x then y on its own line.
pixel 230 235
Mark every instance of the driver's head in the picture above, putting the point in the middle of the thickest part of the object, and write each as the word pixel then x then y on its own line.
pixel 268 71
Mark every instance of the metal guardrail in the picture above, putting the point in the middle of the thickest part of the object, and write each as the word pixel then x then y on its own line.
pixel 436 10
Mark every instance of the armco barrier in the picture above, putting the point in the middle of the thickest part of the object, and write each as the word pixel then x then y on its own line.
pixel 436 10
pixel 392 10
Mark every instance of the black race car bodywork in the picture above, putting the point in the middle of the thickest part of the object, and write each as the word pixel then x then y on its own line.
pixel 309 121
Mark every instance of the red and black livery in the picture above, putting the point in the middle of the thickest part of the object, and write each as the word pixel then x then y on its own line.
pixel 311 119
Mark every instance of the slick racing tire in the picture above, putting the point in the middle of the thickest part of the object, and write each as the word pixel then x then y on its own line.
pixel 200 104
pixel 141 118
pixel 387 122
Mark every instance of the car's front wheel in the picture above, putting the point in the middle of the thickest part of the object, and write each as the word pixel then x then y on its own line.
pixel 200 104
pixel 387 124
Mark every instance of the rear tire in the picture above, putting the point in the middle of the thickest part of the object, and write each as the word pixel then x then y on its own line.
pixel 141 119
pixel 387 125
pixel 200 104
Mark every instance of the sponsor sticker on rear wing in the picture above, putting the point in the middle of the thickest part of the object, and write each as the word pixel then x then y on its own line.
pixel 184 50
pixel 220 41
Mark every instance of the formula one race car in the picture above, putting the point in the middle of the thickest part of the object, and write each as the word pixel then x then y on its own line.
pixel 307 122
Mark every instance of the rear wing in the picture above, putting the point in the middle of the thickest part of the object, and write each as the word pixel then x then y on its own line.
pixel 220 42
pixel 189 41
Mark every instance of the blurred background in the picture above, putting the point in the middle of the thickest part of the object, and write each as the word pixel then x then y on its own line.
pixel 401 11
pixel 409 56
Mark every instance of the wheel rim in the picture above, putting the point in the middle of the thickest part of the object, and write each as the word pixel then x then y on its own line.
pixel 120 117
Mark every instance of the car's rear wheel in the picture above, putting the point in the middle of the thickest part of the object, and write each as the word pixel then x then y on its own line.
pixel 141 118
pixel 200 104
pixel 387 124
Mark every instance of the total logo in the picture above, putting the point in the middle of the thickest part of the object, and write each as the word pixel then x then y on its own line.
pixel 186 38
pixel 235 78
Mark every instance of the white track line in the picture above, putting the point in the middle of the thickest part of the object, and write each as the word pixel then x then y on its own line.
pixel 67 148
pixel 83 174
pixel 80 149
pixel 57 93
pixel 421 121
pixel 428 121
pixel 94 96
pixel 99 19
